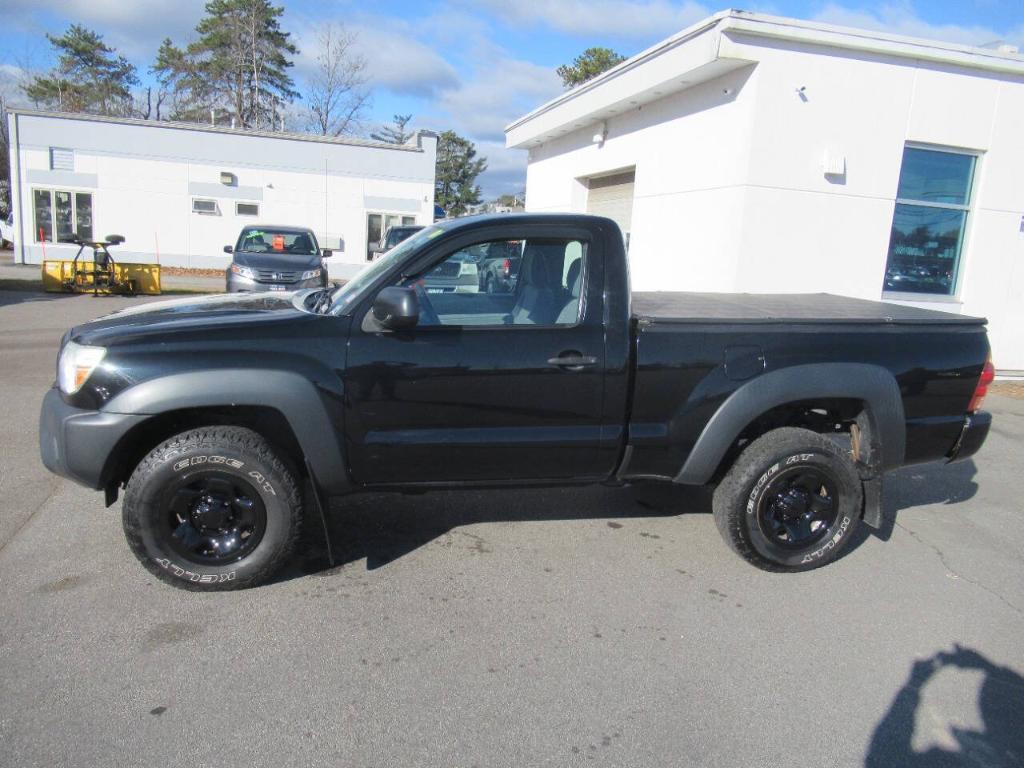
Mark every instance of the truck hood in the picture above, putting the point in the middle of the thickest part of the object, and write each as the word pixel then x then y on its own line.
pixel 192 313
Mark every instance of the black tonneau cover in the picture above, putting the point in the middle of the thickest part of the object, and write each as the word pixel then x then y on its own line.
pixel 678 307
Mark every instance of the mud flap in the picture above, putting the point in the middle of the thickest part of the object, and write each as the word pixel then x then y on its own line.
pixel 318 500
pixel 873 513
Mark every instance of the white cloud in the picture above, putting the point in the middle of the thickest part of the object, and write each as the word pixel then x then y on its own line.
pixel 402 64
pixel 487 98
pixel 901 19
pixel 134 28
pixel 395 59
pixel 506 169
pixel 638 19
pixel 495 94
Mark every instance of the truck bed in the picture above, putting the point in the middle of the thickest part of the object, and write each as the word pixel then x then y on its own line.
pixel 680 307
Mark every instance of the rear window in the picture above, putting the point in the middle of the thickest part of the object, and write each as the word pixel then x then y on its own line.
pixel 264 240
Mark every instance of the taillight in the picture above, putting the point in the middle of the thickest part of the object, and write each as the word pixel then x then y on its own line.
pixel 988 373
pixel 507 266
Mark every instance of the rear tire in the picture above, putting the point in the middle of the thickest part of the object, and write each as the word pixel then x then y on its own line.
pixel 212 509
pixel 790 502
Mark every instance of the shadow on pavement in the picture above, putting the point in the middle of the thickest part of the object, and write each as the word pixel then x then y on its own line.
pixel 8 297
pixel 921 485
pixel 384 527
pixel 999 743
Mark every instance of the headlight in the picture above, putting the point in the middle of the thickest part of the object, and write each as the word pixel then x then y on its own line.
pixel 238 269
pixel 310 274
pixel 76 364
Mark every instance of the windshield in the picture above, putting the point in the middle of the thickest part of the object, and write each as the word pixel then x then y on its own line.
pixel 398 234
pixel 277 241
pixel 347 293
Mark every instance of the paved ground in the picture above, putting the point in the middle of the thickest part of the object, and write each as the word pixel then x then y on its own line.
pixel 595 627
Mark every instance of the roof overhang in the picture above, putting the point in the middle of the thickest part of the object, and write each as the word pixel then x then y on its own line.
pixel 713 47
pixel 204 128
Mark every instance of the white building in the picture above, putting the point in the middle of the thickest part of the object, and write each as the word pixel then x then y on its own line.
pixel 180 192
pixel 757 154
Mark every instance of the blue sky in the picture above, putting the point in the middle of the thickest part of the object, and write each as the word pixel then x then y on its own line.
pixel 474 65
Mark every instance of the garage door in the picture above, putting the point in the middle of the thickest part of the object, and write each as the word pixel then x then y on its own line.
pixel 612 196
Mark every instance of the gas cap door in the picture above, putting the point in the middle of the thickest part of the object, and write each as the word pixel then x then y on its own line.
pixel 744 362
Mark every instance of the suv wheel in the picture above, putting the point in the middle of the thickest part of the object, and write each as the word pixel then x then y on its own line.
pixel 790 502
pixel 211 509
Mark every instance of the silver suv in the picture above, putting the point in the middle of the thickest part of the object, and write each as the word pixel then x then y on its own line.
pixel 269 258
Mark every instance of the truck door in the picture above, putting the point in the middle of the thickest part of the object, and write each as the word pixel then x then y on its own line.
pixel 496 384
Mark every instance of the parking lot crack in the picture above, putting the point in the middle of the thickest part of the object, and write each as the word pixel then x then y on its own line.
pixel 49 495
pixel 946 564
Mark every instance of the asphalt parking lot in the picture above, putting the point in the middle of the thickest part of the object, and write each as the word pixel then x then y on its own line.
pixel 590 627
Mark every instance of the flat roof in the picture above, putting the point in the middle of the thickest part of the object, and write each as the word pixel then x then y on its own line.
pixel 202 127
pixel 693 55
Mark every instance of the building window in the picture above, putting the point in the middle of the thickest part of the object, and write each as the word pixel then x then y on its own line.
pixel 932 205
pixel 60 215
pixel 62 159
pixel 247 209
pixel 206 207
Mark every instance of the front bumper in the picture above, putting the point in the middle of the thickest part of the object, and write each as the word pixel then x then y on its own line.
pixel 238 284
pixel 975 430
pixel 76 443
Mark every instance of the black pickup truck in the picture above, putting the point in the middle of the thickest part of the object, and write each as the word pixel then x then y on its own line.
pixel 222 416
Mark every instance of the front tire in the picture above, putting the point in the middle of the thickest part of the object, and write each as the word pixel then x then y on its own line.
pixel 212 509
pixel 790 502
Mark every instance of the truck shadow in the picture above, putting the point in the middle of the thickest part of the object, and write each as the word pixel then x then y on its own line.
pixel 917 486
pixel 384 527
pixel 919 715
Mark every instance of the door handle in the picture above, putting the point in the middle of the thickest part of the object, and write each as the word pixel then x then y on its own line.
pixel 572 361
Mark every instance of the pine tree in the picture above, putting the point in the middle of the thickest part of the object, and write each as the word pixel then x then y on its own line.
pixel 90 76
pixel 238 66
pixel 396 133
pixel 457 169
pixel 588 65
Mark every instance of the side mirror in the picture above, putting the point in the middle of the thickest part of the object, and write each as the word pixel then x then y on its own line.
pixel 229 249
pixel 397 308
pixel 327 253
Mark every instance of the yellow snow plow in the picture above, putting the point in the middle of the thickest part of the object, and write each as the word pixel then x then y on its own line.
pixel 100 275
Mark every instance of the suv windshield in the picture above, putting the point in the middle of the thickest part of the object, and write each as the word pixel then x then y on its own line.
pixel 278 241
pixel 345 295
pixel 398 234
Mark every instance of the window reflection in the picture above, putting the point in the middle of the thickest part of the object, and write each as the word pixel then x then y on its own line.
pixel 929 222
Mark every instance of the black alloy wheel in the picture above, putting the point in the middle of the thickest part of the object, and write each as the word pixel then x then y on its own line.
pixel 798 507
pixel 212 518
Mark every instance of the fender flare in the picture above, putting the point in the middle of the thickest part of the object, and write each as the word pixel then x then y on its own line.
pixel 874 385
pixel 301 401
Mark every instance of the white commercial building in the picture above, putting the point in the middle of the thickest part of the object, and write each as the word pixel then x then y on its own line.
pixel 756 154
pixel 180 192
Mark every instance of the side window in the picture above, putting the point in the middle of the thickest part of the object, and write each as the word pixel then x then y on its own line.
pixel 535 281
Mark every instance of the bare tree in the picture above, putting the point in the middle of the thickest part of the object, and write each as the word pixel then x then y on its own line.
pixel 337 92
pixel 5 161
